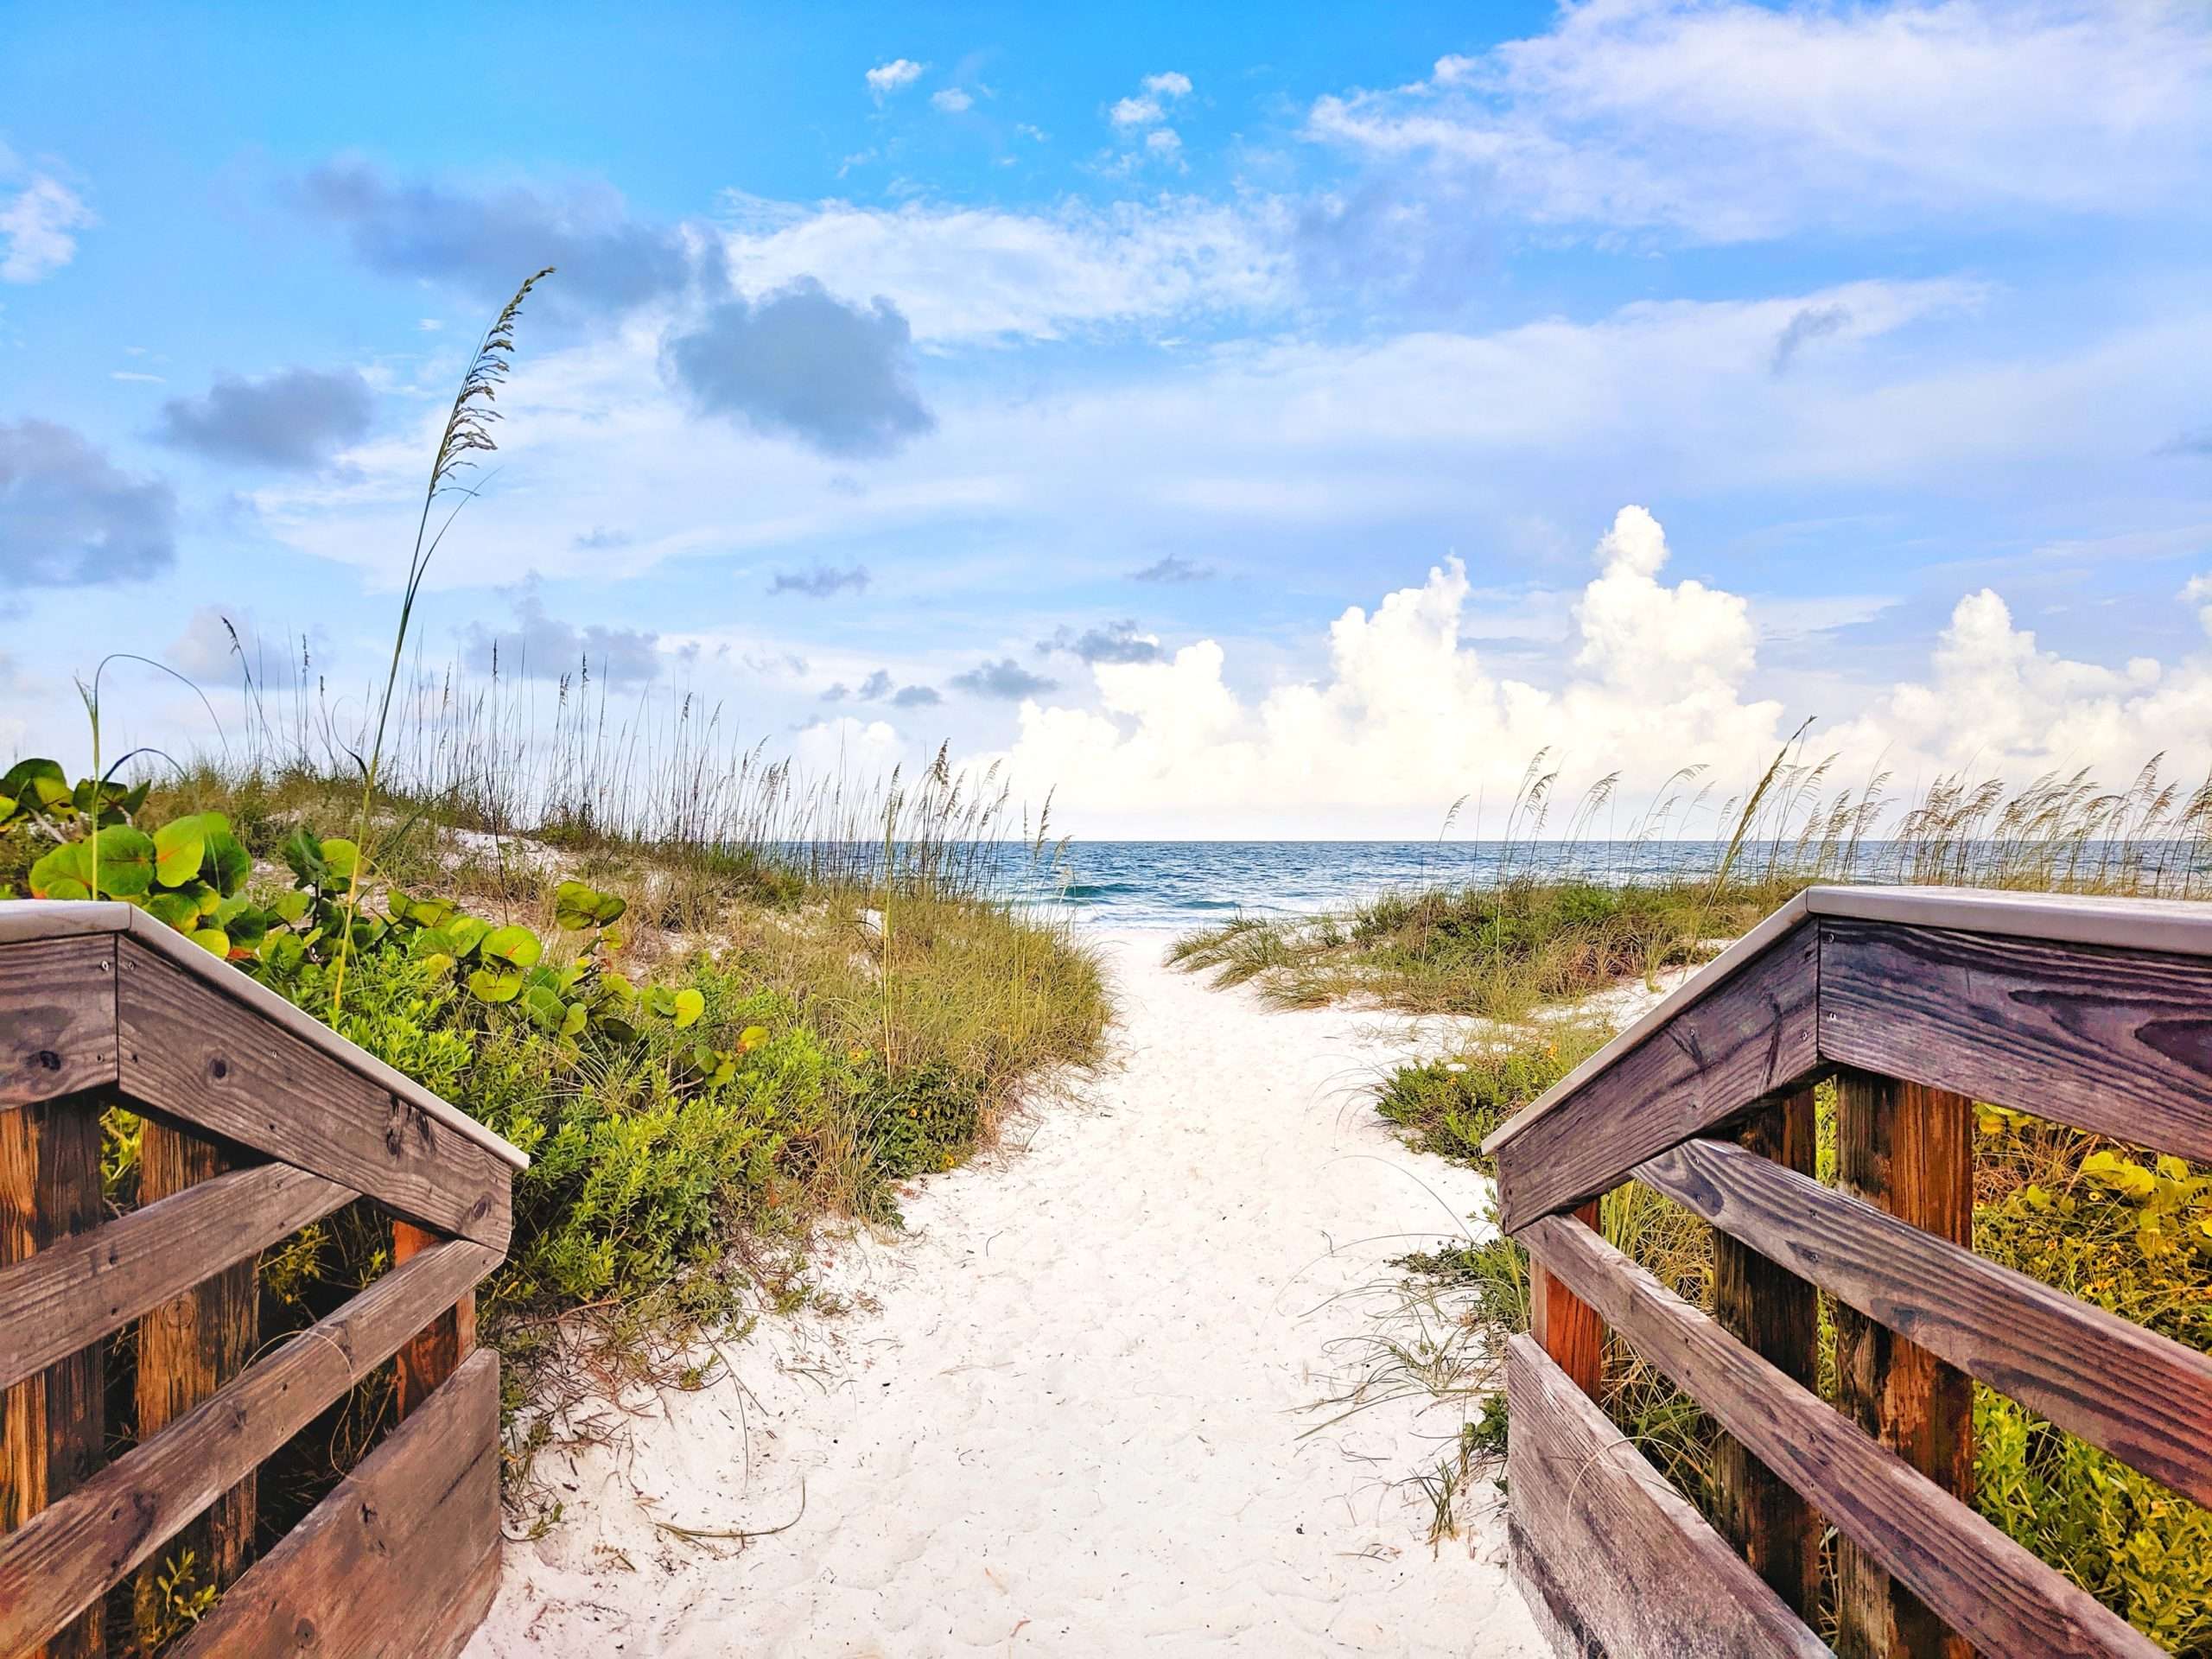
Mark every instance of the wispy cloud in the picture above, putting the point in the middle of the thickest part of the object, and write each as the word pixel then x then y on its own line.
pixel 38 221
pixel 1173 567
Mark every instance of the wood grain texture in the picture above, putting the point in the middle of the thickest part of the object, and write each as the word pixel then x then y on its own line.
pixel 60 1560
pixel 1627 1564
pixel 57 1019
pixel 2114 1041
pixel 431 1356
pixel 1777 1315
pixel 53 1425
pixel 188 1347
pixel 90 1286
pixel 386 1564
pixel 2143 1397
pixel 1753 1037
pixel 1977 1579
pixel 1565 1326
pixel 202 1057
pixel 1907 1150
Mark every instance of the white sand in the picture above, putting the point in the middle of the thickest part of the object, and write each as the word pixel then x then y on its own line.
pixel 1066 1420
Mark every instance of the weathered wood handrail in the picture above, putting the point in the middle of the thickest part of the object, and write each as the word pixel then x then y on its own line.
pixel 1918 1001
pixel 257 1122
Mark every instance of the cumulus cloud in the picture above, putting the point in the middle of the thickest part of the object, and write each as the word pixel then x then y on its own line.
pixel 952 100
pixel 298 419
pixel 68 517
pixel 802 363
pixel 1407 714
pixel 1006 680
pixel 488 240
pixel 895 76
pixel 37 222
pixel 1150 106
pixel 1726 120
pixel 542 646
pixel 915 696
pixel 1116 642
pixel 208 647
pixel 821 582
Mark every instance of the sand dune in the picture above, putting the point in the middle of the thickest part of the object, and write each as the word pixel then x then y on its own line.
pixel 1065 1417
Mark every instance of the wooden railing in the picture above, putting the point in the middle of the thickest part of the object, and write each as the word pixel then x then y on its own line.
pixel 257 1122
pixel 1917 1003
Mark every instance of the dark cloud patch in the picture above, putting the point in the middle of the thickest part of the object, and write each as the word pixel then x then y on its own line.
pixel 1006 680
pixel 69 518
pixel 878 687
pixel 600 539
pixel 803 364
pixel 488 241
pixel 544 647
pixel 1173 567
pixel 295 420
pixel 821 582
pixel 1117 642
pixel 1813 322
pixel 2198 442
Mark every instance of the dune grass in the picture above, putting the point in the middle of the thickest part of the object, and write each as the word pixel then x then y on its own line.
pixel 2114 1224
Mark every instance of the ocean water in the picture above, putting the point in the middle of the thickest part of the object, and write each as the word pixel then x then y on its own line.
pixel 1167 885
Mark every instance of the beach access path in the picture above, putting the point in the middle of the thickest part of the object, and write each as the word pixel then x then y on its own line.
pixel 1063 1413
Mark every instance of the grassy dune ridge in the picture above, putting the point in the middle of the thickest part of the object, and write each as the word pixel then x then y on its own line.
pixel 2117 1225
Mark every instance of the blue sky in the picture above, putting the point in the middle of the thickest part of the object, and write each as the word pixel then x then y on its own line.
pixel 1223 415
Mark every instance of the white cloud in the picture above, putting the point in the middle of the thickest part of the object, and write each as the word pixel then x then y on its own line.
pixel 1407 715
pixel 1726 120
pixel 1150 107
pixel 35 226
pixel 952 101
pixel 967 274
pixel 895 76
pixel 1164 142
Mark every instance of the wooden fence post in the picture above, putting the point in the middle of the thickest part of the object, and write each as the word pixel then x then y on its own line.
pixel 1565 1326
pixel 1909 1150
pixel 187 1349
pixel 451 1337
pixel 1777 1315
pixel 53 1426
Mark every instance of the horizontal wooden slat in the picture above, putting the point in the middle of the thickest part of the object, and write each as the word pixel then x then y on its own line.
pixel 86 1286
pixel 1974 1577
pixel 207 1058
pixel 1611 1550
pixel 57 1019
pixel 2118 1042
pixel 1752 1036
pixel 2145 1399
pixel 56 1564
pixel 398 1540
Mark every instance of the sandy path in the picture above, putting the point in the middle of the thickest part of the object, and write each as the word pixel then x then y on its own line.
pixel 1069 1423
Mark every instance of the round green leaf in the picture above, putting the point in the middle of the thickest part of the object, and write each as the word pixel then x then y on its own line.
pixel 340 856
pixel 211 939
pixel 228 864
pixel 690 1004
pixel 493 987
pixel 516 945
pixel 179 847
pixel 124 861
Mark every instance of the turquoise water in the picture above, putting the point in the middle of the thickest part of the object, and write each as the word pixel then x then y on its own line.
pixel 1182 884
